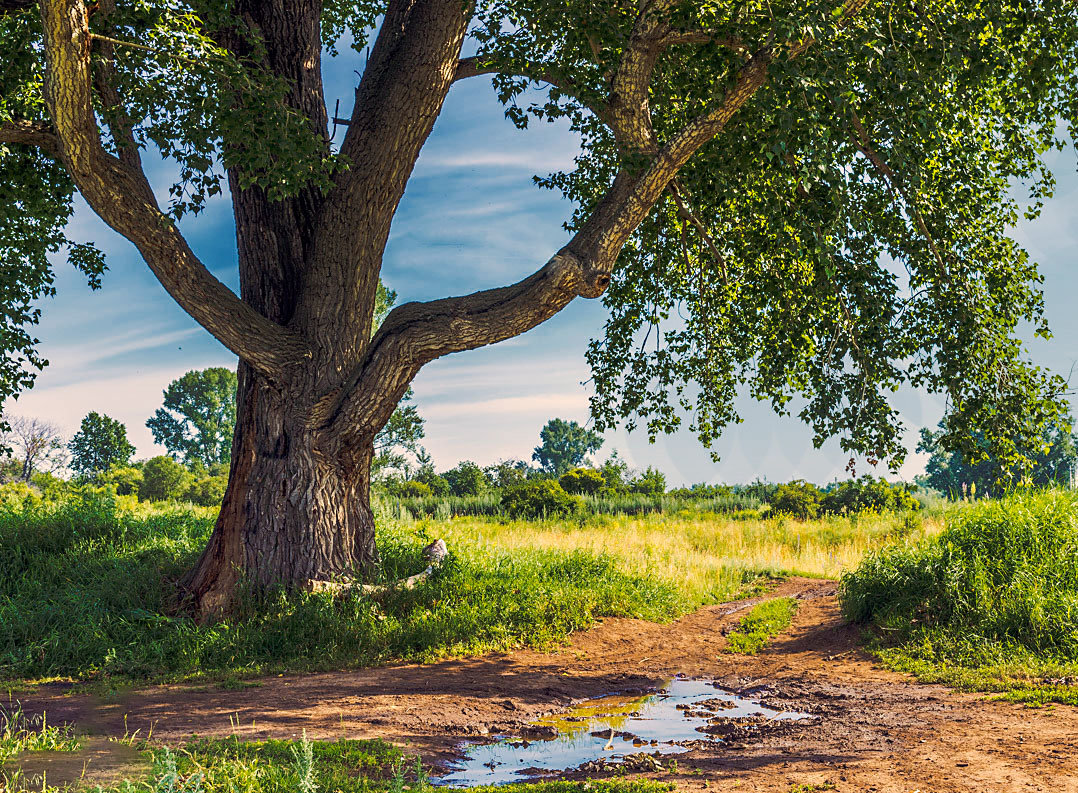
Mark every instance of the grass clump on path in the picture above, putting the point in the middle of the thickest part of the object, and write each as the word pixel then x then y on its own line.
pixel 86 591
pixel 990 604
pixel 230 765
pixel 764 621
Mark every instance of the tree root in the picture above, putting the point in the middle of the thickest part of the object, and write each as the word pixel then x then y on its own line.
pixel 435 553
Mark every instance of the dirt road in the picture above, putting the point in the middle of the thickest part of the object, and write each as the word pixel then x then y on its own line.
pixel 876 731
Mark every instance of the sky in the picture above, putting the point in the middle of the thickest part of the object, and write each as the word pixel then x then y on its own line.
pixel 471 219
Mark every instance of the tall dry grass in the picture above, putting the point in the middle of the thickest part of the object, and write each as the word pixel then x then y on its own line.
pixel 709 557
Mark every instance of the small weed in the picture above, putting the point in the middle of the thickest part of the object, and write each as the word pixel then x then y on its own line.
pixel 764 621
pixel 22 733
pixel 808 787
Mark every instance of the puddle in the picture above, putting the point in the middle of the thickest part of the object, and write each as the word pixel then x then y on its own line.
pixel 610 729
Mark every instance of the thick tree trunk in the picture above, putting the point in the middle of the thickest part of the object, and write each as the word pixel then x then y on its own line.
pixel 292 513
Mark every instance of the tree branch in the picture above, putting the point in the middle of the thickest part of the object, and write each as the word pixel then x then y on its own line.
pixel 864 145
pixel 120 125
pixel 121 195
pixel 416 333
pixel 31 133
pixel 474 67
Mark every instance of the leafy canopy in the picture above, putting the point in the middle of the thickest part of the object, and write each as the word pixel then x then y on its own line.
pixel 100 444
pixel 564 445
pixel 845 236
pixel 198 418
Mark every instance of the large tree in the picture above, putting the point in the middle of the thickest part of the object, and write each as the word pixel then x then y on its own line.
pixel 38 445
pixel 100 444
pixel 564 445
pixel 198 417
pixel 819 190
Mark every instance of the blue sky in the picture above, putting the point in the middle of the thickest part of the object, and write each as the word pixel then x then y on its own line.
pixel 471 219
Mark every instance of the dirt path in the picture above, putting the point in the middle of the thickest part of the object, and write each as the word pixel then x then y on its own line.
pixel 877 731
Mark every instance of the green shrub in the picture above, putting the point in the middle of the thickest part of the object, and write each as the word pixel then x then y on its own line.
pixel 650 483
pixel 412 489
pixel 208 491
pixel 539 498
pixel 799 499
pixel 868 494
pixel 163 479
pixel 1002 577
pixel 581 481
pixel 126 480
pixel 467 479
pixel 19 495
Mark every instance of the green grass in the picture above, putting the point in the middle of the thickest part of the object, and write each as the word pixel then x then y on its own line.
pixel 990 604
pixel 229 765
pixel 86 591
pixel 19 733
pixel 764 621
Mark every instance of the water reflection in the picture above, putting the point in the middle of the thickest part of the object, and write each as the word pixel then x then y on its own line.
pixel 611 728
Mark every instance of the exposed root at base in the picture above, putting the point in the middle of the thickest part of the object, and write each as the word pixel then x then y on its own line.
pixel 435 553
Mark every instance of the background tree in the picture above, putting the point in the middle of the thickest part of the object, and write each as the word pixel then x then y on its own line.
pixel 100 444
pixel 199 416
pixel 565 445
pixel 467 479
pixel 764 168
pixel 38 445
pixel 164 479
pixel 1053 460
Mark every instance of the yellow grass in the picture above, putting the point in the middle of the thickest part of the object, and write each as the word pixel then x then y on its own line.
pixel 710 557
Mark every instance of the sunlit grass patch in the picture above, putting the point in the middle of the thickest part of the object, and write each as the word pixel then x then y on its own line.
pixel 22 733
pixel 709 557
pixel 86 591
pixel 764 621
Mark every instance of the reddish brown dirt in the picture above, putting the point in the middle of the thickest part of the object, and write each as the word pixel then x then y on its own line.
pixel 877 731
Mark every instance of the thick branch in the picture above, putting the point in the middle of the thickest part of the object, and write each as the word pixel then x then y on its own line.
pixel 31 133
pixel 408 75
pixel 121 195
pixel 416 333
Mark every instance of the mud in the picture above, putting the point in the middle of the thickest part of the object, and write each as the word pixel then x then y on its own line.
pixel 876 730
pixel 608 733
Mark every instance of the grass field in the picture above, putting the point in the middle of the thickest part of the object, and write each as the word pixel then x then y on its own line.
pixel 708 557
pixel 86 587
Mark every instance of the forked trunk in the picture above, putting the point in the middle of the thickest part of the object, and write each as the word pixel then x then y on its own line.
pixel 291 515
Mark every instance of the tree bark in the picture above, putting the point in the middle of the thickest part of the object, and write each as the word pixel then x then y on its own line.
pixel 292 514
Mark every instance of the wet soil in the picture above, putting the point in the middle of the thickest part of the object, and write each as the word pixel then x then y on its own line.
pixel 876 731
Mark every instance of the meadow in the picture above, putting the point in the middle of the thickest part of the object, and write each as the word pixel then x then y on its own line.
pixel 87 585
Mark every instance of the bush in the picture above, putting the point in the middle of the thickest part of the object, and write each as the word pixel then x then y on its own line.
pixel 868 494
pixel 163 479
pixel 126 480
pixel 1004 574
pixel 799 499
pixel 540 498
pixel 467 479
pixel 650 483
pixel 208 491
pixel 412 489
pixel 19 495
pixel 582 480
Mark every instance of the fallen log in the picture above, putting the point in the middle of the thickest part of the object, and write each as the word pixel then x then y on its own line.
pixel 436 553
